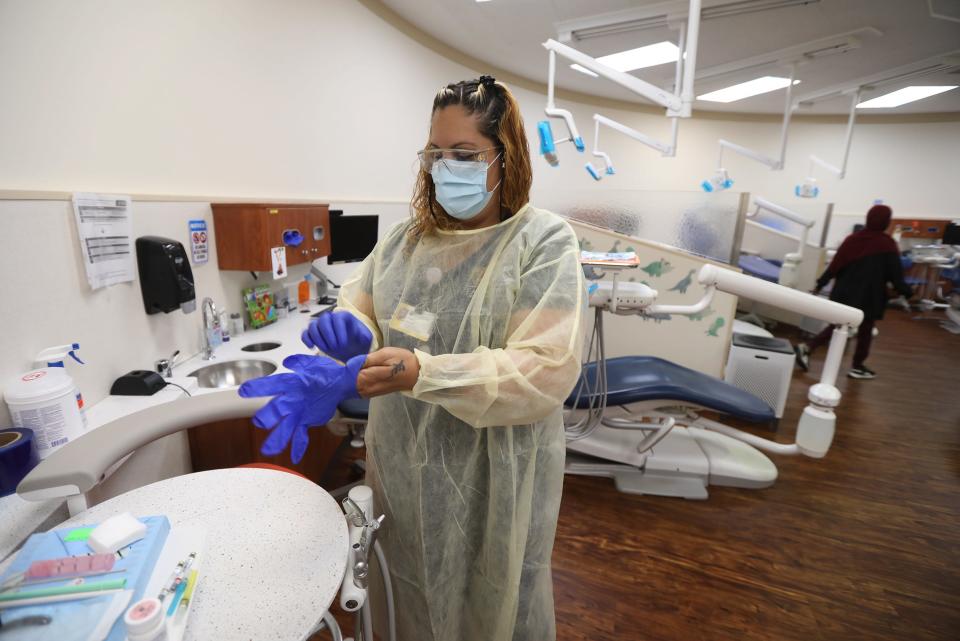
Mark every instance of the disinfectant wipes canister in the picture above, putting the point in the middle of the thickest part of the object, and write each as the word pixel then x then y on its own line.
pixel 47 401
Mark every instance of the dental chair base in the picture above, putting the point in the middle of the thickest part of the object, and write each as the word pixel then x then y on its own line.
pixel 682 464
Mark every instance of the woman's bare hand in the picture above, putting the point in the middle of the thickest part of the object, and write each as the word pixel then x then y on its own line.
pixel 387 370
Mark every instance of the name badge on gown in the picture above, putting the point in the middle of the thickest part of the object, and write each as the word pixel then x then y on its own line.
pixel 418 324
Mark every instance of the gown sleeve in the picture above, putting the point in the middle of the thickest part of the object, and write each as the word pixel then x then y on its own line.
pixel 530 377
pixel 356 296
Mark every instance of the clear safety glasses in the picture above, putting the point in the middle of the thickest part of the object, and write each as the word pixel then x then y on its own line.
pixel 429 157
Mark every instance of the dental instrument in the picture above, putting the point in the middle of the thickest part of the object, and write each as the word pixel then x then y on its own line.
pixel 656 441
pixel 363 527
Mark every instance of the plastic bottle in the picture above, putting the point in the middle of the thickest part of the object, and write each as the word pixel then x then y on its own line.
pixel 236 324
pixel 47 400
pixel 303 291
pixel 224 327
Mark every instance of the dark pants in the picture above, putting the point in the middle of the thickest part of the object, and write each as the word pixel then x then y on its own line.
pixel 864 336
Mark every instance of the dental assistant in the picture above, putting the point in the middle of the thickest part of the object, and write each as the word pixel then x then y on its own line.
pixel 474 314
pixel 464 329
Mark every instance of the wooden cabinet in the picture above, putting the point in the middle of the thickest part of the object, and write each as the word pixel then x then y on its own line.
pixel 246 233
pixel 225 444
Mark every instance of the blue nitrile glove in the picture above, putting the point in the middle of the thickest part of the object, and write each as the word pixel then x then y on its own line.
pixel 338 334
pixel 305 398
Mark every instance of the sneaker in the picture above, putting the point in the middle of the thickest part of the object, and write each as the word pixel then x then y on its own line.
pixel 802 353
pixel 861 372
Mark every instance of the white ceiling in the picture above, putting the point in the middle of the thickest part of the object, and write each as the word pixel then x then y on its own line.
pixel 508 34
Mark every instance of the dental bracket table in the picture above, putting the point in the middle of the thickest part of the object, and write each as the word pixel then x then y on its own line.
pixel 275 548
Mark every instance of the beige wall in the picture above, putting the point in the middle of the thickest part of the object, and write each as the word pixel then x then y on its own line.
pixel 324 99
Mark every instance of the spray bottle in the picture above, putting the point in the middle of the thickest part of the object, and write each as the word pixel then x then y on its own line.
pixel 47 401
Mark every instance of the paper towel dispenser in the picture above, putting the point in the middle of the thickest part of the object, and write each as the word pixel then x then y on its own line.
pixel 166 280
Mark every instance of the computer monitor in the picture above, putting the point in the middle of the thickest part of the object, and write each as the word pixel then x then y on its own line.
pixel 951 234
pixel 352 238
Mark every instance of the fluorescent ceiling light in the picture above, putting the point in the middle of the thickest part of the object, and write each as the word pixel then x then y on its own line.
pixel 661 14
pixel 743 90
pixel 903 96
pixel 649 56
pixel 577 67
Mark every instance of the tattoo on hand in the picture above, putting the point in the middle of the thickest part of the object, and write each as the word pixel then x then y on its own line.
pixel 399 367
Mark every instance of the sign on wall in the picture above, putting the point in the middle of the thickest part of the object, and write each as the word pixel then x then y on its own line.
pixel 199 246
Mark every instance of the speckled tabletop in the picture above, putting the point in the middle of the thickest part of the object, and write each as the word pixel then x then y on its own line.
pixel 274 555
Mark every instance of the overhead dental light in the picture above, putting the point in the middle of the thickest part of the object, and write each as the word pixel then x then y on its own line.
pixel 755 87
pixel 904 96
pixel 719 181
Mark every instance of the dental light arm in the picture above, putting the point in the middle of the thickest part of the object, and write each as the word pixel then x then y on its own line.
pixel 818 422
pixel 808 188
pixel 664 149
pixel 640 87
pixel 720 180
pixel 763 159
pixel 678 105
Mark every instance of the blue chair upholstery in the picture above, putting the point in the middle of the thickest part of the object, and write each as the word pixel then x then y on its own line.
pixel 355 408
pixel 906 263
pixel 759 267
pixel 632 379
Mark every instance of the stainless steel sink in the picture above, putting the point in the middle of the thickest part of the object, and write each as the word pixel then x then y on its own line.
pixel 231 373
pixel 260 347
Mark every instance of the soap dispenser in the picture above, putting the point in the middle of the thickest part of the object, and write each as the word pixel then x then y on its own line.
pixel 166 280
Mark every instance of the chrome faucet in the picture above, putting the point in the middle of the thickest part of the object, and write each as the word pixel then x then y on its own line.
pixel 211 322
pixel 164 366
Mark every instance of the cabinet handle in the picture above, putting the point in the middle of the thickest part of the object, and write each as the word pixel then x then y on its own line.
pixel 304 252
pixel 314 250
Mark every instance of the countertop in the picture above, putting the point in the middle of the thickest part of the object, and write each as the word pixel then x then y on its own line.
pixel 274 553
pixel 21 518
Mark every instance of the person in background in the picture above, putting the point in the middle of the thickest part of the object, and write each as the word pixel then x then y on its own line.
pixel 865 262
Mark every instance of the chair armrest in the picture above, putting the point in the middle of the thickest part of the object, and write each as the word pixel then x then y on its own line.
pixel 79 465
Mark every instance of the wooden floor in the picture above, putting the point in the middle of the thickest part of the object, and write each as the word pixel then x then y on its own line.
pixel 863 544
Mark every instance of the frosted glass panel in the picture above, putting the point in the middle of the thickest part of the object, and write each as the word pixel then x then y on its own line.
pixel 815 210
pixel 696 222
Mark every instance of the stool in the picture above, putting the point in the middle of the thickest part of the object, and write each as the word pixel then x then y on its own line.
pixel 353 415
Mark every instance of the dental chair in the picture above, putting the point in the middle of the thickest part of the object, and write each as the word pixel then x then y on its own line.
pixel 637 419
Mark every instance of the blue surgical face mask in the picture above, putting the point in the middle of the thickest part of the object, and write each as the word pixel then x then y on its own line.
pixel 461 186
